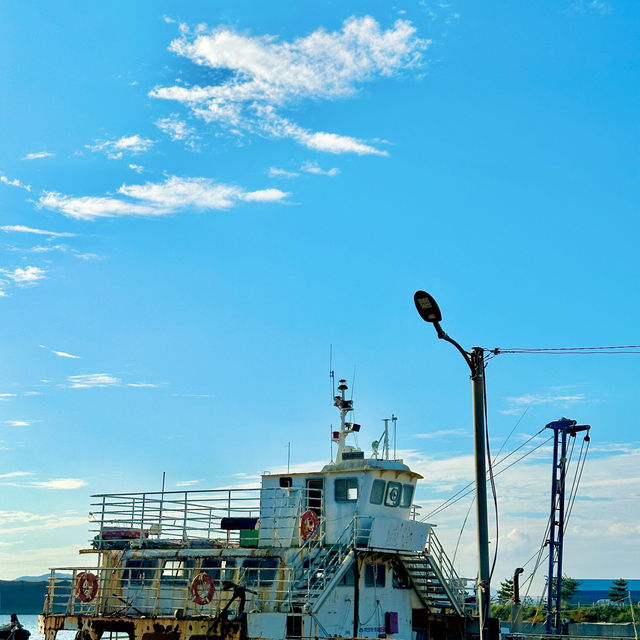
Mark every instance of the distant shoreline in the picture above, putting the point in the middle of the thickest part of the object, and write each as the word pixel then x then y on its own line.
pixel 22 597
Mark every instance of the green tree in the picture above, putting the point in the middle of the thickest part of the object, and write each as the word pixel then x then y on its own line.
pixel 505 593
pixel 568 588
pixel 618 590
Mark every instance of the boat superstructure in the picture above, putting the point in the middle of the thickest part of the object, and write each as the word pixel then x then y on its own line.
pixel 333 553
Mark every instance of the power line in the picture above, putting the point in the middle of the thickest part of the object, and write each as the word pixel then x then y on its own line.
pixel 624 349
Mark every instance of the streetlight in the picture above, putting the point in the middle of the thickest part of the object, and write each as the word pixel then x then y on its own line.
pixel 430 312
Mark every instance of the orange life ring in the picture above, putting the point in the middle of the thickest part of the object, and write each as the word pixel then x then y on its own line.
pixel 309 522
pixel 86 586
pixel 202 578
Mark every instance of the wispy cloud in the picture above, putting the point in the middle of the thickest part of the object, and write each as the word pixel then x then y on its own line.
pixel 178 130
pixel 27 276
pixel 17 423
pixel 188 483
pixel 312 167
pixel 115 149
pixel 38 155
pixel 138 168
pixel 5 396
pixel 158 199
pixel 552 397
pixel 441 433
pixel 143 385
pixel 266 75
pixel 274 172
pixel 595 6
pixel 61 354
pixel 14 183
pixel 65 484
pixel 92 380
pixel 22 229
pixel 13 474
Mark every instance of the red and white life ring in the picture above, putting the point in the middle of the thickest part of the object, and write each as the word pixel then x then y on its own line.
pixel 86 586
pixel 196 584
pixel 309 522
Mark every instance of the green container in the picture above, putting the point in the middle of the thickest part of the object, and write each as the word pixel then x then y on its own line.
pixel 249 537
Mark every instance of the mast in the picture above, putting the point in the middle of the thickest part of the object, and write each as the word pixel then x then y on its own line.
pixel 344 406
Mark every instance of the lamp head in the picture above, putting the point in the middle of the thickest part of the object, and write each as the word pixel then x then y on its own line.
pixel 427 307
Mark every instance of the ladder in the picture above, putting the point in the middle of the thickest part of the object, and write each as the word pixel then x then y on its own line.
pixel 320 570
pixel 434 578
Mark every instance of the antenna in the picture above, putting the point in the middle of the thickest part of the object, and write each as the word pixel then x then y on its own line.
pixel 288 457
pixel 385 442
pixel 394 419
pixel 353 381
pixel 332 375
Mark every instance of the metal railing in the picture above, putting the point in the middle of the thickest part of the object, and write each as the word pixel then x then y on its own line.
pixel 453 583
pixel 195 518
pixel 165 588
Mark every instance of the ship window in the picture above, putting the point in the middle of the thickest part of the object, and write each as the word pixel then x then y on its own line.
pixel 407 494
pixel 377 492
pixel 173 571
pixel 138 570
pixel 286 482
pixel 346 489
pixel 400 579
pixel 392 496
pixel 294 627
pixel 212 567
pixel 374 574
pixel 348 579
pixel 229 570
pixel 260 571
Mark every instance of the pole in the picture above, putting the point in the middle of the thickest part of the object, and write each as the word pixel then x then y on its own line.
pixel 477 377
pixel 552 536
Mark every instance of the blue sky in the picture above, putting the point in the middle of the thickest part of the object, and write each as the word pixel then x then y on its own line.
pixel 195 202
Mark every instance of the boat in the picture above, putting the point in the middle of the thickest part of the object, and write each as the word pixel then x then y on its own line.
pixel 335 553
pixel 14 630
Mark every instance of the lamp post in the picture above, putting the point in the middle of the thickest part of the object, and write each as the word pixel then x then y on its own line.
pixel 430 312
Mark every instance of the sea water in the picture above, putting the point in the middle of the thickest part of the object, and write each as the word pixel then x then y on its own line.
pixel 30 622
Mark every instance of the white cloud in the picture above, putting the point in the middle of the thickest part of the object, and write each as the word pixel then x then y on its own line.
pixel 91 380
pixel 442 433
pixel 7 395
pixel 28 275
pixel 12 474
pixel 334 143
pixel 552 397
pixel 596 6
pixel 267 74
pixel 274 172
pixel 64 354
pixel 46 248
pixel 14 183
pixel 16 563
pixel 60 483
pixel 177 130
pixel 158 199
pixel 61 354
pixel 87 256
pixel 312 167
pixel 38 155
pixel 188 483
pixel 17 423
pixel 115 149
pixel 143 385
pixel 136 167
pixel 22 229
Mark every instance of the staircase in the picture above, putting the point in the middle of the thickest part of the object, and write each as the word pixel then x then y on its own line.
pixel 434 578
pixel 432 574
pixel 323 567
